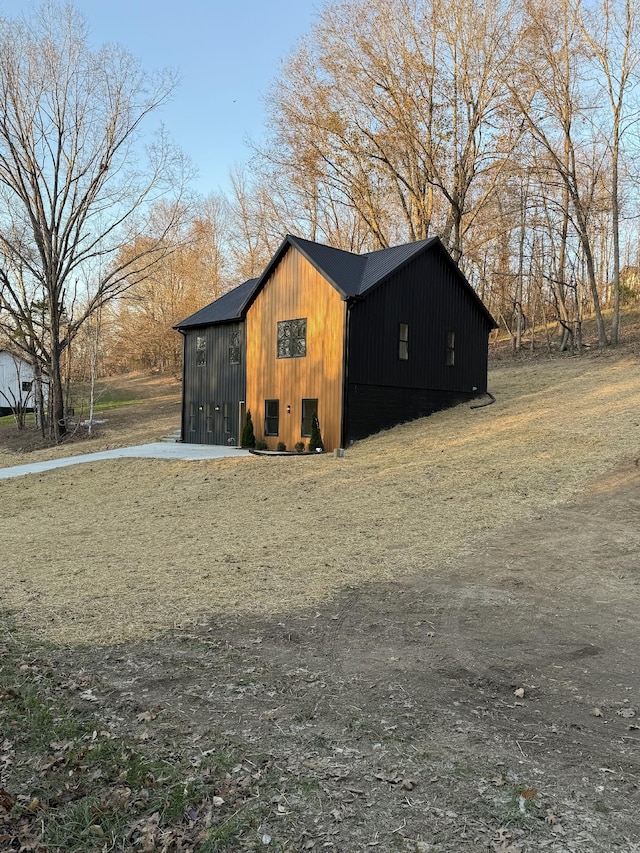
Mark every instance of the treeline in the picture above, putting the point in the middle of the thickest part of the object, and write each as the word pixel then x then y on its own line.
pixel 509 129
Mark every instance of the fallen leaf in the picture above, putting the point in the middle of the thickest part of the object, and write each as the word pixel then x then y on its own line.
pixel 89 696
pixel 408 784
pixel 596 712
pixel 519 693
pixel 627 713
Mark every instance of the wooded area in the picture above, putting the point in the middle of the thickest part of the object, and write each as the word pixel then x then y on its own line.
pixel 507 127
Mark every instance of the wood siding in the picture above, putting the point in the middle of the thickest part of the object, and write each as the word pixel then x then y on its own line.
pixel 212 391
pixel 296 290
pixel 372 408
pixel 429 296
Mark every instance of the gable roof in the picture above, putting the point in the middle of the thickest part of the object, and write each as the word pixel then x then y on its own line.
pixel 353 276
pixel 228 307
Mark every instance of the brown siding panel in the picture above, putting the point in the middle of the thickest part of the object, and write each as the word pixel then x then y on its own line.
pixel 295 290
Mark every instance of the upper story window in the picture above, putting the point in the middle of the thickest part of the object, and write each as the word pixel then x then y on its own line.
pixel 201 350
pixel 292 338
pixel 403 342
pixel 451 349
pixel 234 346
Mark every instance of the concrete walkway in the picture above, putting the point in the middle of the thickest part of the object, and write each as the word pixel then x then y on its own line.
pixel 157 450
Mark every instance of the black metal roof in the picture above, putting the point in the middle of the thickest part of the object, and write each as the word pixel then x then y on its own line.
pixel 225 309
pixel 353 276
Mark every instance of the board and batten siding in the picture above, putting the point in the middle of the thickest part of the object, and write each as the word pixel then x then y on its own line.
pixel 296 290
pixel 213 391
pixel 430 297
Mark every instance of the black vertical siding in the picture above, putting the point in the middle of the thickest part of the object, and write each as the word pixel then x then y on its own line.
pixel 430 296
pixel 212 391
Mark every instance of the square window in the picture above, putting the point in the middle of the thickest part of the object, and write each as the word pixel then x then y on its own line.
pixel 403 343
pixel 271 417
pixel 292 338
pixel 201 350
pixel 26 386
pixel 309 409
pixel 451 349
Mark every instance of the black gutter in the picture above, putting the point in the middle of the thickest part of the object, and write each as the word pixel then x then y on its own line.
pixel 345 372
pixel 184 376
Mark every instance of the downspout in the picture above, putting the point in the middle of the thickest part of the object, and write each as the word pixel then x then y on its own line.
pixel 184 377
pixel 345 372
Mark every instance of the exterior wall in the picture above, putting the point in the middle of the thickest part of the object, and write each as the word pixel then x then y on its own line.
pixel 213 391
pixel 13 372
pixel 429 296
pixel 373 408
pixel 296 290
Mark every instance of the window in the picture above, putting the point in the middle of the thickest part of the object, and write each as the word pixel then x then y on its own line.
pixel 209 416
pixel 292 338
pixel 451 349
pixel 309 409
pixel 234 346
pixel 403 344
pixel 271 417
pixel 226 414
pixel 192 417
pixel 201 351
pixel 26 386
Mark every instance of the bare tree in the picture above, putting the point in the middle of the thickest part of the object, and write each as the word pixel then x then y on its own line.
pixel 75 179
pixel 611 32
pixel 548 93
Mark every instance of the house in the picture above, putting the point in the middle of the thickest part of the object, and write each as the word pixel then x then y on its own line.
pixel 16 383
pixel 365 341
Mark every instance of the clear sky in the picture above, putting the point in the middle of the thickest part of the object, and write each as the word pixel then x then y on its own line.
pixel 226 51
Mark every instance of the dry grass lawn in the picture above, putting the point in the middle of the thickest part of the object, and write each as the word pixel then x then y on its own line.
pixel 126 549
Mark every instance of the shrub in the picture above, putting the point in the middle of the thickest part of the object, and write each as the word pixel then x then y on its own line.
pixel 261 445
pixel 281 446
pixel 299 446
pixel 315 442
pixel 248 437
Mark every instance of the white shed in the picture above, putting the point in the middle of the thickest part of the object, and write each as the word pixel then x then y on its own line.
pixel 16 383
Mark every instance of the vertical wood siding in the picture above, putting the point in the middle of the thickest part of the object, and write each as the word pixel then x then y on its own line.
pixel 429 296
pixel 296 290
pixel 212 385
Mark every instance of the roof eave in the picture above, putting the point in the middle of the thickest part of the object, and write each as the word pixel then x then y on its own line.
pixel 290 241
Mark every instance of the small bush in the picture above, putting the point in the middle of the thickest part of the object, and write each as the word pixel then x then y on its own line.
pixel 299 446
pixel 261 445
pixel 248 437
pixel 281 446
pixel 315 442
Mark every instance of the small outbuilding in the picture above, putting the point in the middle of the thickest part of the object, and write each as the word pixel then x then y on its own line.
pixel 16 384
pixel 362 341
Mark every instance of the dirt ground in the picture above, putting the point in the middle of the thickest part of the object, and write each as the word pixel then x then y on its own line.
pixel 431 645
pixel 390 713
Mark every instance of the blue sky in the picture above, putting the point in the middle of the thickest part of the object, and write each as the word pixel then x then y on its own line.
pixel 227 53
